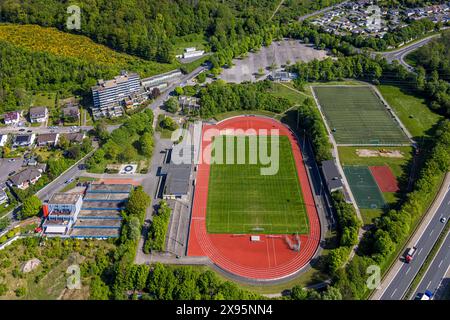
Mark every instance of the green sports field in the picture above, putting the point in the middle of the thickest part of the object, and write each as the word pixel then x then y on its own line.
pixel 364 187
pixel 241 200
pixel 357 116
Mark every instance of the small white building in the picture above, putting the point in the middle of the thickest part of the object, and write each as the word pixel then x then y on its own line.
pixel 3 139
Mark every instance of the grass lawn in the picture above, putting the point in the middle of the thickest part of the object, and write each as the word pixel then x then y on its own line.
pixel 229 114
pixel 45 99
pixel 73 184
pixel 348 157
pixel 192 40
pixel 242 200
pixel 289 92
pixel 357 116
pixel 412 111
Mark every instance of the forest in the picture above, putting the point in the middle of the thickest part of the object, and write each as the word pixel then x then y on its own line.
pixel 219 97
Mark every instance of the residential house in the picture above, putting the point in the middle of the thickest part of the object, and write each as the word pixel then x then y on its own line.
pixel 38 114
pixel 71 112
pixel 27 177
pixel 24 140
pixel 11 118
pixel 47 139
pixel 75 137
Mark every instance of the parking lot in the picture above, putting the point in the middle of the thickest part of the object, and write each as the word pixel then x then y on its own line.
pixel 7 166
pixel 277 54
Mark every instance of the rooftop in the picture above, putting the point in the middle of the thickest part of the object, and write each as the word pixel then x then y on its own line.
pixel 47 137
pixel 64 198
pixel 38 112
pixel 119 188
pixel 178 179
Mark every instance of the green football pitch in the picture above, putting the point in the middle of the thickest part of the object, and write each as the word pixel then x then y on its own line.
pixel 364 187
pixel 241 200
pixel 356 115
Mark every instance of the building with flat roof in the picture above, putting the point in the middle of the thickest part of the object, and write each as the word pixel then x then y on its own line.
pixel 109 95
pixel 61 212
pixel 177 180
pixel 164 78
pixel 189 104
pixel 332 176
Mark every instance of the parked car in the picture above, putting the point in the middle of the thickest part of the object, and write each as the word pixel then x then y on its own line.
pixel 443 219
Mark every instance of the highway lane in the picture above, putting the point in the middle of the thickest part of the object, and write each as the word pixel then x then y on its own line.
pixel 437 270
pixel 397 288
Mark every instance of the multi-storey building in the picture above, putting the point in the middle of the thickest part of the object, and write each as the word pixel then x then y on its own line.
pixel 109 95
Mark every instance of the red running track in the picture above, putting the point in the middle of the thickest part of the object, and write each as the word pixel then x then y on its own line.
pixel 267 259
pixel 385 178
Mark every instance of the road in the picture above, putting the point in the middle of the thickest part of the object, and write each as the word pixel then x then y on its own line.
pixel 397 287
pixel 309 15
pixel 437 270
pixel 44 130
pixel 401 53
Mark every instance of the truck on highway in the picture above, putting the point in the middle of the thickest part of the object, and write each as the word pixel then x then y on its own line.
pixel 427 295
pixel 410 254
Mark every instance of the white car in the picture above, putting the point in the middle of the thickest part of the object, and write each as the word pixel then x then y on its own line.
pixel 443 219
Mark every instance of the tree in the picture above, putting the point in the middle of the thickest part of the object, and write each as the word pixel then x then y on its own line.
pixel 30 207
pixel 172 105
pixel 63 142
pixel 146 144
pixel 298 293
pixel 332 293
pixel 4 223
pixel 98 289
pixel 179 91
pixel 3 289
pixel 134 228
pixel 169 124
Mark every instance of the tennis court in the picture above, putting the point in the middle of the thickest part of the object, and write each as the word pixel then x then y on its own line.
pixel 364 187
pixel 357 116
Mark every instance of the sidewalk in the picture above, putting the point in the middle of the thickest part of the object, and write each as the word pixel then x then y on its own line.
pixel 393 271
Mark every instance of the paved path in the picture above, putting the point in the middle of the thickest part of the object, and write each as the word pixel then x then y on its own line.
pixel 398 279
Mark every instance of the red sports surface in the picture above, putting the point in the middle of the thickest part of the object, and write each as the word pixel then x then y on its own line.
pixel 267 259
pixel 385 178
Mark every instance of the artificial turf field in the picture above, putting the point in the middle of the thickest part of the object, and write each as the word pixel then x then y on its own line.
pixel 364 187
pixel 241 200
pixel 357 116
